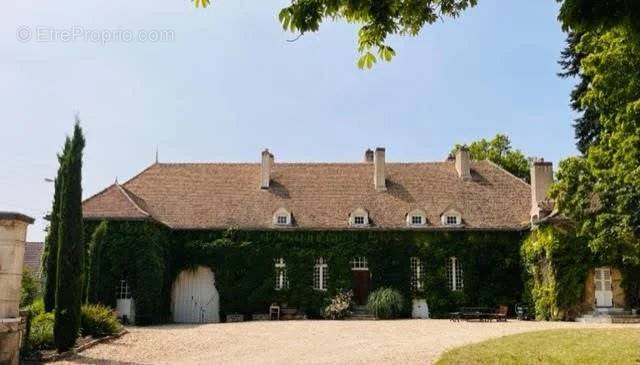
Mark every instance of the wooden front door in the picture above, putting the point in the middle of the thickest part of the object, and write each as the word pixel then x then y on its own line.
pixel 604 293
pixel 361 279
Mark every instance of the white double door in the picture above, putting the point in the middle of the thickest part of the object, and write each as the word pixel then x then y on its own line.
pixel 195 298
pixel 604 293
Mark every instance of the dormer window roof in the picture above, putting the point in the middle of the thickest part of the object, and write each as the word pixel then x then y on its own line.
pixel 282 217
pixel 416 218
pixel 451 217
pixel 359 218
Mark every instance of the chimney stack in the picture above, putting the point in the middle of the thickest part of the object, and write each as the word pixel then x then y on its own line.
pixel 541 180
pixel 265 169
pixel 368 156
pixel 379 175
pixel 463 166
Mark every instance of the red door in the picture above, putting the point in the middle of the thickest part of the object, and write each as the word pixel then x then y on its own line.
pixel 360 286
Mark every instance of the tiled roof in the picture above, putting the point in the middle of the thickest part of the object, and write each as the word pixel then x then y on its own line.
pixel 319 195
pixel 33 256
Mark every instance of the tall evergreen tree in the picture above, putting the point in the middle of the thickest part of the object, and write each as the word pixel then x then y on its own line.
pixel 50 257
pixel 93 262
pixel 70 247
pixel 587 124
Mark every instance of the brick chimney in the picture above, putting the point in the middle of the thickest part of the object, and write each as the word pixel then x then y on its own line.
pixel 379 175
pixel 541 180
pixel 368 156
pixel 265 169
pixel 463 166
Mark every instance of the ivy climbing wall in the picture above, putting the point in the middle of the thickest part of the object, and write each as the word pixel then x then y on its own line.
pixel 150 257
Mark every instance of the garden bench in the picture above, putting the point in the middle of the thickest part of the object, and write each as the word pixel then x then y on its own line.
pixel 480 314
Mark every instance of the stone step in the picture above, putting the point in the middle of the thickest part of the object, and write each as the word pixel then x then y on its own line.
pixel 368 317
pixel 360 312
pixel 625 318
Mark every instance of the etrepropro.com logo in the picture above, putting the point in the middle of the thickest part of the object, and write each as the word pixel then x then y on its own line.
pixel 76 33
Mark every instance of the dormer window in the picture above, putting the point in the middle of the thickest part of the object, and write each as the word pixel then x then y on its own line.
pixel 282 217
pixel 359 218
pixel 451 218
pixel 416 218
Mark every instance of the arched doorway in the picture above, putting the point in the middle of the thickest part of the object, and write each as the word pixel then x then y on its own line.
pixel 195 298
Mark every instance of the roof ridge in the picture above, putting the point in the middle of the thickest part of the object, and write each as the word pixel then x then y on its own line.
pixel 98 193
pixel 294 163
pixel 130 199
pixel 508 173
pixel 140 173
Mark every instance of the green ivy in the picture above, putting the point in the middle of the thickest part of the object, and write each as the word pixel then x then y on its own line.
pixel 150 257
pixel 557 262
pixel 138 253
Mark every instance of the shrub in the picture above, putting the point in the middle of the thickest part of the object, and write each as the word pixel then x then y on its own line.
pixel 386 303
pixel 98 320
pixel 41 331
pixel 339 306
pixel 36 308
pixel 30 289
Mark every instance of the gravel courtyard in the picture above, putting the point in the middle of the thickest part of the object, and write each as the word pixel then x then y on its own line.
pixel 311 342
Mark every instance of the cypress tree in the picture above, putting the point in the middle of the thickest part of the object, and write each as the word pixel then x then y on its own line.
pixel 93 263
pixel 71 250
pixel 50 257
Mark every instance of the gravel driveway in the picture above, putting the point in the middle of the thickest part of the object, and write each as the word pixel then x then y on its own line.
pixel 311 342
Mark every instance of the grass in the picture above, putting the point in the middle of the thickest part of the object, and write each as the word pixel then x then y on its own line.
pixel 588 346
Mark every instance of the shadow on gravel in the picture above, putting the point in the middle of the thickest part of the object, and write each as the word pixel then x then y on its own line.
pixel 80 359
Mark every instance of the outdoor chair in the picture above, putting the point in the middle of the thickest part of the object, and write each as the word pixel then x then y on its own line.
pixel 501 313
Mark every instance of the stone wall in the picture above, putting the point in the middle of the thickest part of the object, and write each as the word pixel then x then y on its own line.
pixel 13 234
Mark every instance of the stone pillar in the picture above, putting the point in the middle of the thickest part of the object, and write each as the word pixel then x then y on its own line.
pixel 13 234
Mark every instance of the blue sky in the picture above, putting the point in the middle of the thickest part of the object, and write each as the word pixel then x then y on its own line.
pixel 229 84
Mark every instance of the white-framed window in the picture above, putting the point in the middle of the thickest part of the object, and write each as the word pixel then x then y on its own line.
pixel 416 218
pixel 451 220
pixel 123 291
pixel 455 275
pixel 359 263
pixel 359 218
pixel 417 274
pixel 281 279
pixel 320 274
pixel 282 217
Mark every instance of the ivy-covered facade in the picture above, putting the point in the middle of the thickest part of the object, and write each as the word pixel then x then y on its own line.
pixel 149 257
pixel 449 234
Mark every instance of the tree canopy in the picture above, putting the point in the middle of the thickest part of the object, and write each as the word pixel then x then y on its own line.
pixel 378 19
pixel 601 189
pixel 588 15
pixel 499 150
pixel 587 124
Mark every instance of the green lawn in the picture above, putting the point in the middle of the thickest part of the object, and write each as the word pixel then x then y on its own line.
pixel 573 346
